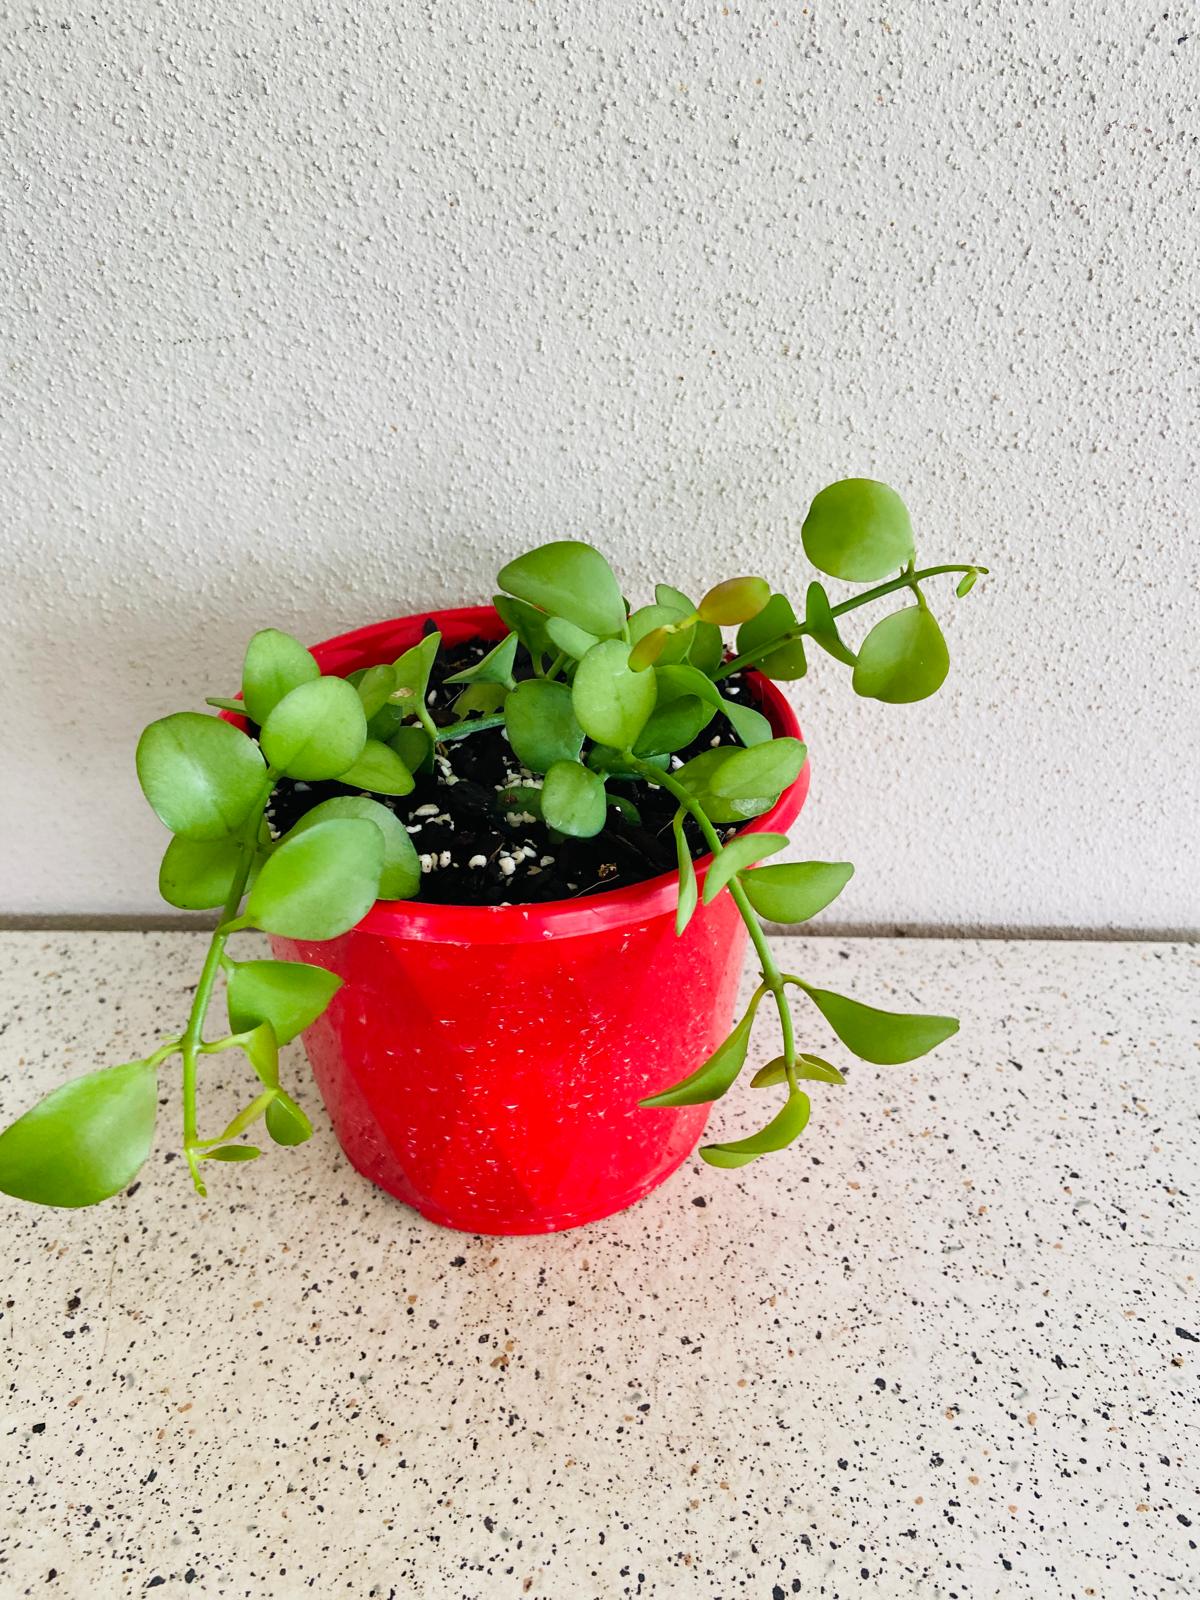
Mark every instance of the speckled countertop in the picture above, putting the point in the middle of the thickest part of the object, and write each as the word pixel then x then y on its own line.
pixel 948 1347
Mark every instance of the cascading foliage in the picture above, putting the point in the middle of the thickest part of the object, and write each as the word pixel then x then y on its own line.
pixel 636 686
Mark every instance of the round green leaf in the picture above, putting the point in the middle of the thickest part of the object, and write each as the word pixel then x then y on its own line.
pixel 736 600
pixel 765 769
pixel 541 724
pixel 738 853
pixel 903 658
pixel 526 622
pixel 197 874
pixel 379 769
pixel 788 661
pixel 401 875
pixel 673 726
pixel 85 1141
pixel 694 775
pixel 796 890
pixel 573 800
pixel 612 702
pixel 883 1037
pixel 288 994
pixel 286 1122
pixel 202 776
pixel 858 529
pixel 373 687
pixel 568 579
pixel 750 725
pixel 782 1129
pixel 275 665
pixel 564 635
pixel 316 731
pixel 320 881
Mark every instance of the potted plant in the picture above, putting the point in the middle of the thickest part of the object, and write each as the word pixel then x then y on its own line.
pixel 508 858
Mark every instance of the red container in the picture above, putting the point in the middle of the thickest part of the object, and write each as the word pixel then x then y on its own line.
pixel 484 1063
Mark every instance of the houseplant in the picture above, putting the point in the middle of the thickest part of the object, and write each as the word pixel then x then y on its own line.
pixel 287 813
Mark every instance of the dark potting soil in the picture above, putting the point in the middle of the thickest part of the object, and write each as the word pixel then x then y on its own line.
pixel 476 851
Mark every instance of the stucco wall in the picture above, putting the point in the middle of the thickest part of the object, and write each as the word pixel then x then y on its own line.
pixel 317 317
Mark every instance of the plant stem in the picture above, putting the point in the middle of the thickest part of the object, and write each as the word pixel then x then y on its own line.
pixel 906 580
pixel 771 975
pixel 192 1040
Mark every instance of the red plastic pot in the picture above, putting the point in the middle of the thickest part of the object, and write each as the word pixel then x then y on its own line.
pixel 484 1063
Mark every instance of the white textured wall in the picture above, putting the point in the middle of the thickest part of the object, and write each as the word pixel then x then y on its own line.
pixel 315 318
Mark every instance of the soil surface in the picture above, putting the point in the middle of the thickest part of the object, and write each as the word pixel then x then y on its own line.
pixel 476 850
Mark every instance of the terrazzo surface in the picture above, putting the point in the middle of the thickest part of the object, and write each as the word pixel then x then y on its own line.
pixel 946 1347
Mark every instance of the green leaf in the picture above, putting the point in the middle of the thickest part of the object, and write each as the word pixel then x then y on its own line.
pixel 883 1037
pixel 764 769
pixel 541 724
pixel 286 1121
pixel 85 1141
pixel 966 583
pixel 275 664
pixel 738 853
pixel 673 726
pixel 812 1068
pixel 796 890
pixel 674 599
pixel 627 809
pixel 412 671
pixel 482 698
pixel 650 620
pixel 569 579
pixel 379 769
pixel 695 774
pixel 287 994
pixel 750 725
pixel 320 881
pixel 222 704
pixel 676 681
pixel 527 623
pixel 685 905
pixel 786 663
pixel 197 874
pixel 202 776
pixel 573 800
pixel 903 658
pixel 261 1048
pixel 316 731
pixel 736 600
pixel 714 1077
pixel 822 625
pixel 496 667
pixel 400 878
pixel 566 636
pixel 374 686
pixel 231 1152
pixel 612 702
pixel 858 529
pixel 708 648
pixel 412 745
pixel 787 1125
